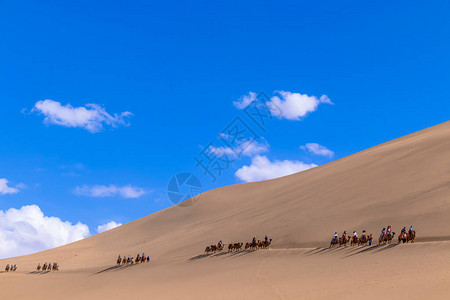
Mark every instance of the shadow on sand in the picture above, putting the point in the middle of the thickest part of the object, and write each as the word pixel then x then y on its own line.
pixel 115 268
pixel 349 250
pixel 39 272
pixel 228 254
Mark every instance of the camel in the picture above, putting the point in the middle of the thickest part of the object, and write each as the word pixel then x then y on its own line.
pixel 354 241
pixel 14 268
pixel 55 267
pixel 363 240
pixel 38 268
pixel 386 238
pixel 407 237
pixel 254 245
pixel 237 246
pixel 7 268
pixel 402 237
pixel 344 241
pixel 265 245
pixel 334 242
pixel 219 247
pixel 411 236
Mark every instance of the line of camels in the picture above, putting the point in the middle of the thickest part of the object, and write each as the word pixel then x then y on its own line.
pixel 11 268
pixel 131 260
pixel 48 267
pixel 385 238
pixel 253 245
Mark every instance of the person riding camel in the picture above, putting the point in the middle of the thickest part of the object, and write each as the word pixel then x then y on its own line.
pixel 344 236
pixel 411 229
pixel 220 243
pixel 254 240
pixel 355 236
pixel 335 236
pixel 389 230
pixel 266 239
pixel 404 230
pixel 383 232
pixel 363 236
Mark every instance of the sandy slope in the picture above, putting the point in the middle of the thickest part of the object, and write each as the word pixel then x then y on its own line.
pixel 402 182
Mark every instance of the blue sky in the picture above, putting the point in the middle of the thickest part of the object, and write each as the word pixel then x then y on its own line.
pixel 176 71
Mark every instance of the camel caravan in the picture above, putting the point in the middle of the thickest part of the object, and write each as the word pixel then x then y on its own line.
pixel 48 267
pixel 253 245
pixel 386 237
pixel 11 268
pixel 130 260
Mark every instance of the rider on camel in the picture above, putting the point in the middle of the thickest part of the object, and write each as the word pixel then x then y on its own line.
pixel 389 230
pixel 404 230
pixel 411 229
pixel 344 236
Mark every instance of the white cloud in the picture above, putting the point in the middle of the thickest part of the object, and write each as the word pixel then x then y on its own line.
pixel 248 149
pixel 318 149
pixel 21 186
pixel 109 191
pixel 245 100
pixel 27 230
pixel 294 106
pixel 91 117
pixel 288 105
pixel 262 168
pixel 107 226
pixel 5 189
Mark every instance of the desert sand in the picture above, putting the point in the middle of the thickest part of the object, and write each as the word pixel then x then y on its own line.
pixel 402 182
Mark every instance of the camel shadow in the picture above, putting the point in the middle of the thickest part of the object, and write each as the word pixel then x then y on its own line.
pixel 200 257
pixel 328 250
pixel 388 247
pixel 115 268
pixel 41 272
pixel 375 249
pixel 227 253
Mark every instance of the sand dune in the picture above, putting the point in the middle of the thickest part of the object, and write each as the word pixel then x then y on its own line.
pixel 403 182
